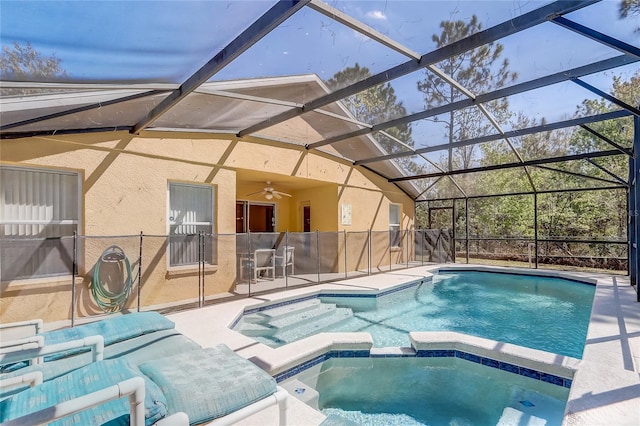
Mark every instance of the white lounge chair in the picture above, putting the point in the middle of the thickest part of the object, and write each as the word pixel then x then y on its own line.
pixel 261 262
pixel 181 380
pixel 208 386
pixel 286 260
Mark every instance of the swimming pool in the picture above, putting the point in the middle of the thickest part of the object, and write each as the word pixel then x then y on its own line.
pixel 550 314
pixel 433 391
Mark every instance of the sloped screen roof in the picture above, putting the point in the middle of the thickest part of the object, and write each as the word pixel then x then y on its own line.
pixel 445 99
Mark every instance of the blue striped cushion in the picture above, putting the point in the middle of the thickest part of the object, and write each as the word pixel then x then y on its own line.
pixel 210 383
pixel 94 377
pixel 114 329
pixel 137 350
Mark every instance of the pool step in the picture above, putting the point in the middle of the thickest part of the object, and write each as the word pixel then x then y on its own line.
pixel 306 328
pixel 513 416
pixel 310 314
pixel 282 311
pixel 256 330
pixel 292 322
pixel 301 318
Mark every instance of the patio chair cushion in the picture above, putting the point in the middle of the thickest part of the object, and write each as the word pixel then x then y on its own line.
pixel 114 329
pixel 151 346
pixel 94 377
pixel 136 350
pixel 210 383
pixel 13 366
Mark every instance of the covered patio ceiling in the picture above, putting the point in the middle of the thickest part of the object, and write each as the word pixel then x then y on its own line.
pixel 246 69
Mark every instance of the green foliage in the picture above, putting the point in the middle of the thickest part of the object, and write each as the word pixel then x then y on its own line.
pixel 580 215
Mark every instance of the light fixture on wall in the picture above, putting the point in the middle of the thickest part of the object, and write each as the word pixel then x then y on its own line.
pixel 269 192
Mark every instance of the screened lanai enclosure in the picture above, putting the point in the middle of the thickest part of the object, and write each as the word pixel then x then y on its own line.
pixel 511 127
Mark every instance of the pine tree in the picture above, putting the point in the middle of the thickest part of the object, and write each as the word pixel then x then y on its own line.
pixel 375 105
pixel 478 70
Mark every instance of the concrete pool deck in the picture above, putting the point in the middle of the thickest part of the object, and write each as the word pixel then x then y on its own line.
pixel 605 388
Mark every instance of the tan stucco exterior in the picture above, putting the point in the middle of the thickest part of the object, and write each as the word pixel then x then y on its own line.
pixel 124 192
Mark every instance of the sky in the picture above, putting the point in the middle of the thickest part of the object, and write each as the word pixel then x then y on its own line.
pixel 166 41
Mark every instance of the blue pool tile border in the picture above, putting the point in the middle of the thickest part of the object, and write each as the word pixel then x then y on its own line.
pixel 280 304
pixel 380 294
pixel 430 353
pixel 532 274
pixel 500 365
pixel 318 360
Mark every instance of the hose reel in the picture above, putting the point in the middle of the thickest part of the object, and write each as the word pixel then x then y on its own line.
pixel 112 301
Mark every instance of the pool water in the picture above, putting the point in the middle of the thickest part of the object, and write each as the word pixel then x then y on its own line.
pixel 549 314
pixel 434 391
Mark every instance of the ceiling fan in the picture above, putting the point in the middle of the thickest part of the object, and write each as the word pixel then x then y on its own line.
pixel 269 193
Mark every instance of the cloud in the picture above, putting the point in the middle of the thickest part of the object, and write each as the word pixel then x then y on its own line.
pixel 377 14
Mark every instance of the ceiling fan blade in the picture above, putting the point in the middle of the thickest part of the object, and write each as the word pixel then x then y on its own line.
pixel 269 192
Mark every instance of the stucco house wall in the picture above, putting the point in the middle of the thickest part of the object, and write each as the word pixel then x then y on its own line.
pixel 124 192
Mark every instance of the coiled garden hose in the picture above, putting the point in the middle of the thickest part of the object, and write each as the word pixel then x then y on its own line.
pixel 107 300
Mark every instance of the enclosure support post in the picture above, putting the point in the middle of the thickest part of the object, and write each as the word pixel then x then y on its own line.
pixel 466 224
pixel 416 226
pixel 389 243
pixel 200 269
pixel 284 259
pixel 199 266
pixel 249 261
pixel 453 231
pixel 73 278
pixel 407 233
pixel 345 253
pixel 630 225
pixel 369 254
pixel 204 256
pixel 535 226
pixel 422 239
pixel 634 190
pixel 139 271
pixel 632 221
pixel 318 251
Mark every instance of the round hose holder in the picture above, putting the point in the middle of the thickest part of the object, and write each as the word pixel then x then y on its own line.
pixel 119 268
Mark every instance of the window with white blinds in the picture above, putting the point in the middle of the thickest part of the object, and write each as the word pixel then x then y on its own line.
pixel 39 211
pixel 394 225
pixel 190 212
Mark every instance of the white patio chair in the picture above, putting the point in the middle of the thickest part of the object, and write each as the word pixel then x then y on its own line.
pixel 261 263
pixel 286 260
